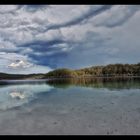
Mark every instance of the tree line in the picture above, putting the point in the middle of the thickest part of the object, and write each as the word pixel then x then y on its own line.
pixel 111 70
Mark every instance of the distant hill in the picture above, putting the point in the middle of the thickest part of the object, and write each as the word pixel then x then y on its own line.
pixel 4 76
pixel 111 70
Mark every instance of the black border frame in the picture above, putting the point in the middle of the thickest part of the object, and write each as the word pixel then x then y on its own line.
pixel 71 2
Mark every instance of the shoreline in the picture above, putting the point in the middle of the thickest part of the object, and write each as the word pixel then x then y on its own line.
pixel 57 78
pixel 65 79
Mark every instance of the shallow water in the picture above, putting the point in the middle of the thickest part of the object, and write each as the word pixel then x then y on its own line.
pixel 71 107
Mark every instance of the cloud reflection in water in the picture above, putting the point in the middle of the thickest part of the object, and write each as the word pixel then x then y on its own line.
pixel 17 95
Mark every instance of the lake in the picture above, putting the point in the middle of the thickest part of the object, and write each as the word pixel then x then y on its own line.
pixel 72 106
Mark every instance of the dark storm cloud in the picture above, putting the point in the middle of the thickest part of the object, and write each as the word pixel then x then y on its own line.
pixel 33 8
pixel 92 12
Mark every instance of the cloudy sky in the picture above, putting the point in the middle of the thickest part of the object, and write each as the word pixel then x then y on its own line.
pixel 40 38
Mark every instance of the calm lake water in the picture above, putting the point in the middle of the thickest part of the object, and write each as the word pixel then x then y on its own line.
pixel 82 106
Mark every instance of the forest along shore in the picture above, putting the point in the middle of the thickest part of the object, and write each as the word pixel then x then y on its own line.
pixel 108 71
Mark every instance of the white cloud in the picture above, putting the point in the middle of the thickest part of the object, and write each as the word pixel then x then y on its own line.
pixel 19 64
pixel 116 16
pixel 7 8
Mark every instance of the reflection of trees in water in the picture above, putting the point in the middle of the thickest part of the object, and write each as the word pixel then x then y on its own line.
pixel 110 83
